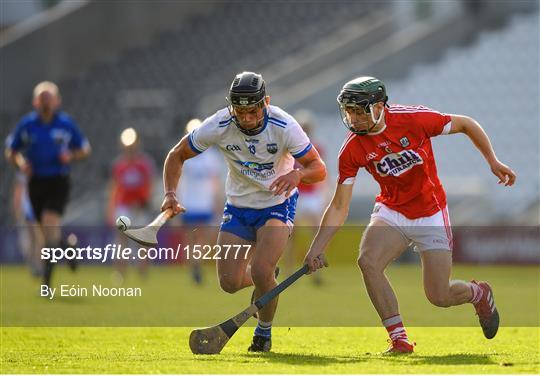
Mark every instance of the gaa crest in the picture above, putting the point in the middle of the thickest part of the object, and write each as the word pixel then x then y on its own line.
pixel 272 148
pixel 404 141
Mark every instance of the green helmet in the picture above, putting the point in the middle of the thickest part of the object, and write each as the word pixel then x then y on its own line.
pixel 362 92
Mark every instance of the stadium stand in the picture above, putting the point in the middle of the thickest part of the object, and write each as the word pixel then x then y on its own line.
pixel 172 68
pixel 495 80
pixel 159 86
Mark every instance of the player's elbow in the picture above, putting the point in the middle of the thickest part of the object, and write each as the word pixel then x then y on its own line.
pixel 86 151
pixel 323 172
pixel 180 152
pixel 8 153
pixel 319 173
pixel 11 156
pixel 341 203
pixel 463 124
pixel 337 213
pixel 468 124
pixel 175 154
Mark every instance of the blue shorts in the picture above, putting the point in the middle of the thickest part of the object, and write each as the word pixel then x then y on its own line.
pixel 244 222
pixel 197 218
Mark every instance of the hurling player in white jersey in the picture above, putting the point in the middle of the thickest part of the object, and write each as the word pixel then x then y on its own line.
pixel 260 143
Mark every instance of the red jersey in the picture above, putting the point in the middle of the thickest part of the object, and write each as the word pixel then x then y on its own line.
pixel 133 179
pixel 400 158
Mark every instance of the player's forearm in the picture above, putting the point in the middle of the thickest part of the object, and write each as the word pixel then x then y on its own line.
pixel 334 217
pixel 81 153
pixel 16 158
pixel 313 172
pixel 11 156
pixel 172 170
pixel 480 139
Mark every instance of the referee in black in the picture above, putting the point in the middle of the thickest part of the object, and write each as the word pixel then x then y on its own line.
pixel 43 145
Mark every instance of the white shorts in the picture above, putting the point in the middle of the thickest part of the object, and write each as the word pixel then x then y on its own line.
pixel 425 233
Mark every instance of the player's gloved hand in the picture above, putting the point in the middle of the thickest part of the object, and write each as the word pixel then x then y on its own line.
pixel 315 260
pixel 171 202
pixel 503 172
pixel 286 183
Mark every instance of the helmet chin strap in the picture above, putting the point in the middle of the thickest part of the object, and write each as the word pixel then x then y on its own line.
pixel 250 132
pixel 375 121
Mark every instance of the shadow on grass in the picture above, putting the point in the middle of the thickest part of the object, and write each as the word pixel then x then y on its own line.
pixel 305 359
pixel 285 358
pixel 313 359
pixel 454 359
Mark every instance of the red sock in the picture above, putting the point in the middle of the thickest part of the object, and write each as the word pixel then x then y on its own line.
pixel 394 327
pixel 477 292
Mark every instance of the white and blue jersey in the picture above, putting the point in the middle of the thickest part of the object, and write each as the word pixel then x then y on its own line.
pixel 42 144
pixel 254 161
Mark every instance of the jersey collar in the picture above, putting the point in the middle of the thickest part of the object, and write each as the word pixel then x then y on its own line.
pixel 379 131
pixel 40 121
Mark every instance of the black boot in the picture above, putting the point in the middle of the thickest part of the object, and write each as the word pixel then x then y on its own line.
pixel 260 344
pixel 70 241
pixel 47 272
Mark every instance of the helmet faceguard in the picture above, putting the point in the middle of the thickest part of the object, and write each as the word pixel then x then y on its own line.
pixel 360 95
pixel 247 93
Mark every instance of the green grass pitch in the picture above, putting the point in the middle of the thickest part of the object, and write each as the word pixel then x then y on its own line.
pixel 296 350
pixel 327 329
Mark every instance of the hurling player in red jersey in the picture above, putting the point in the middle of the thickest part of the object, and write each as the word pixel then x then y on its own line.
pixel 392 143
pixel 130 192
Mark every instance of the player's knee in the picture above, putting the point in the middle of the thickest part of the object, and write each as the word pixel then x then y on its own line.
pixel 439 299
pixel 262 275
pixel 367 263
pixel 229 285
